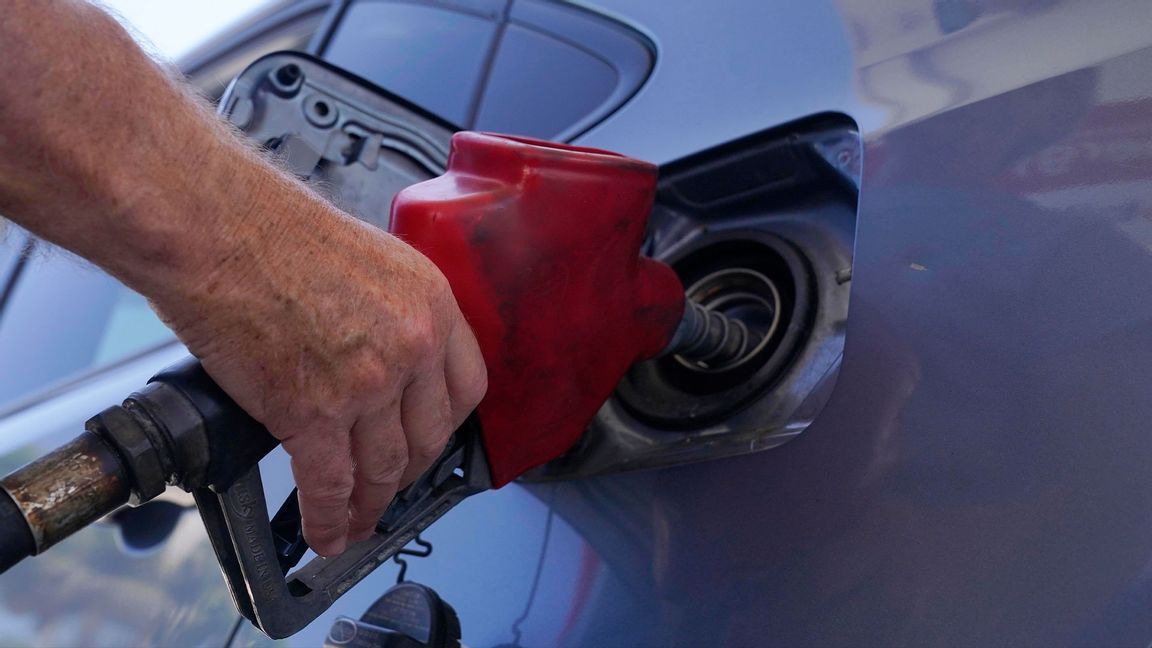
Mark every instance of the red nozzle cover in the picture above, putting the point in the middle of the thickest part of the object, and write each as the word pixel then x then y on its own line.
pixel 541 245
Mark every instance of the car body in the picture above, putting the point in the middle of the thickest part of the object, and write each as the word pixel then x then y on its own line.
pixel 975 469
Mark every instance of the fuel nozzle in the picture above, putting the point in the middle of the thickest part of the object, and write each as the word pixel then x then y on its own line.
pixel 729 316
pixel 711 339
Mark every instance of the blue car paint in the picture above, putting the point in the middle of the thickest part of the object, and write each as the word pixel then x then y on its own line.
pixel 980 475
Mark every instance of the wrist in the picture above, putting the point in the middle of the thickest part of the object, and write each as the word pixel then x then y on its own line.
pixel 212 225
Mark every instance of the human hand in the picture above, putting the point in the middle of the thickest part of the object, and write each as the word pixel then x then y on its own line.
pixel 348 345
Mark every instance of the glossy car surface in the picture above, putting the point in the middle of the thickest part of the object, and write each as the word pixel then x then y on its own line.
pixel 979 475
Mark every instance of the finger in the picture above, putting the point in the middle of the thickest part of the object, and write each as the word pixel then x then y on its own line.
pixel 322 466
pixel 426 413
pixel 465 375
pixel 381 456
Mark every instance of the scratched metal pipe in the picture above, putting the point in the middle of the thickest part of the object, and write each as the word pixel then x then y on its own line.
pixel 68 489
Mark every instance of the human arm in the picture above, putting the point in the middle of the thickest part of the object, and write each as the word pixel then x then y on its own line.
pixel 342 340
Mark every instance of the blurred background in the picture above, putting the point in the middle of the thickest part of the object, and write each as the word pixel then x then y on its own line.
pixel 172 29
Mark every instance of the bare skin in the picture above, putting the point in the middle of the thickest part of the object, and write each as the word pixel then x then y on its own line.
pixel 344 341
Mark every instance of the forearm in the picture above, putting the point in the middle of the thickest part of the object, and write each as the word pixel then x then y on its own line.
pixel 346 343
pixel 99 148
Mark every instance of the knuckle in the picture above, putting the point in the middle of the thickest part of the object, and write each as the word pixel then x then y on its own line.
pixel 370 375
pixel 386 472
pixel 312 409
pixel 327 529
pixel 419 338
pixel 429 446
pixel 475 389
pixel 469 388
pixel 331 494
pixel 382 478
pixel 436 284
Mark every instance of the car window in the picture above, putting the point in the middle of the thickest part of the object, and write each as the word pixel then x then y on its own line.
pixel 530 67
pixel 65 317
pixel 540 85
pixel 431 56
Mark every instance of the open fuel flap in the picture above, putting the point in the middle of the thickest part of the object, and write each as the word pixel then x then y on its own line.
pixel 760 229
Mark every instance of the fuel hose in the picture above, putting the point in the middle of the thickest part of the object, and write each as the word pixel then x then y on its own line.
pixel 58 494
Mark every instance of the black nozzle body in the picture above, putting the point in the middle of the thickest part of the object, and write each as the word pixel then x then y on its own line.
pixel 181 429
